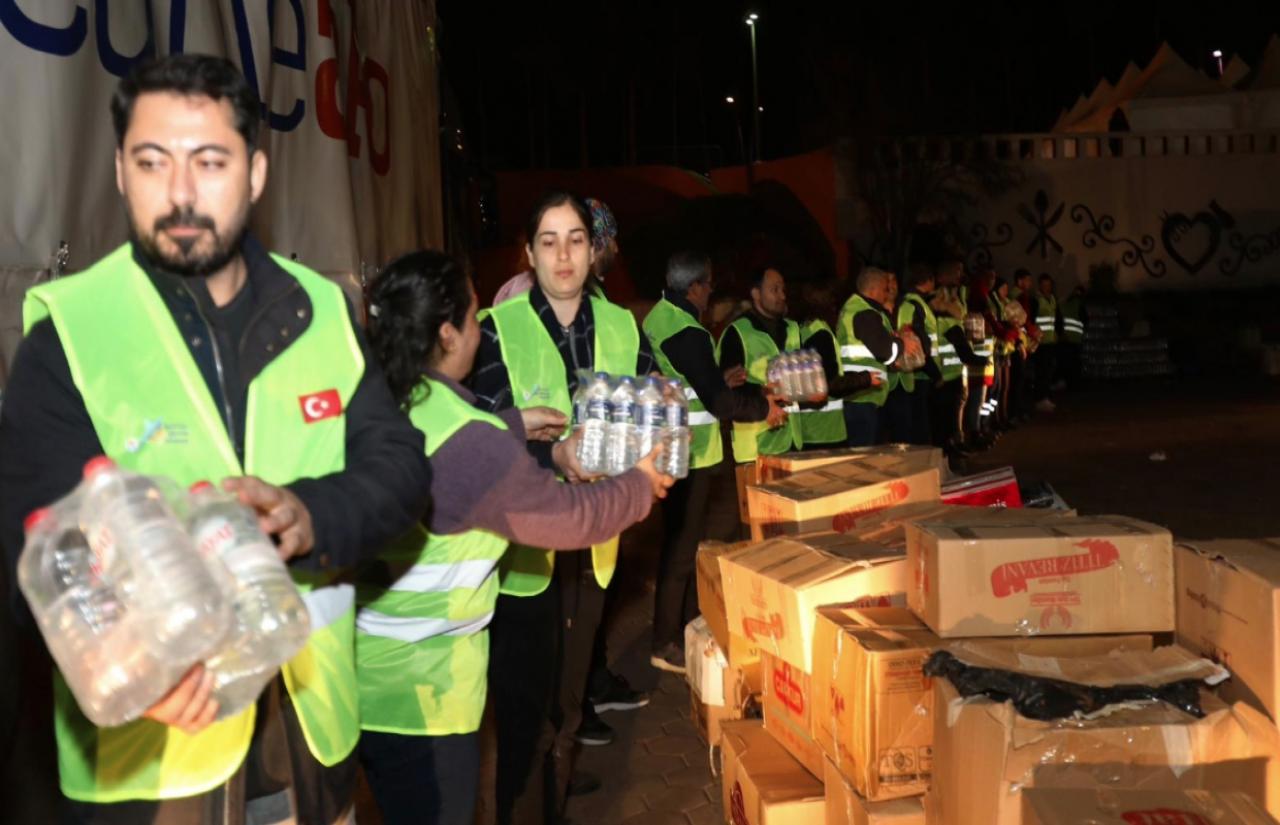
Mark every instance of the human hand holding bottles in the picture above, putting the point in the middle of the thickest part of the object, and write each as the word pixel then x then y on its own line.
pixel 564 454
pixel 659 481
pixel 543 423
pixel 190 705
pixel 281 514
pixel 777 412
pixel 735 376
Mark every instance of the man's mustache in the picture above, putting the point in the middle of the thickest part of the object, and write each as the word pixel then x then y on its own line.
pixel 186 218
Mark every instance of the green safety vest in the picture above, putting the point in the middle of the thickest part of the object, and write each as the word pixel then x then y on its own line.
pixel 1047 318
pixel 824 425
pixel 755 437
pixel 664 321
pixel 538 379
pixel 422 642
pixel 905 313
pixel 854 355
pixel 1072 324
pixel 138 379
pixel 949 360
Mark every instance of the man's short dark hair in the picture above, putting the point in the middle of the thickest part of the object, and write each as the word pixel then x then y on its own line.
pixel 757 276
pixel 193 75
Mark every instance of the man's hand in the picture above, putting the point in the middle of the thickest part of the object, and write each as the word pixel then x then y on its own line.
pixel 189 705
pixel 565 456
pixel 543 423
pixel 280 514
pixel 659 481
pixel 735 376
pixel 877 380
pixel 777 414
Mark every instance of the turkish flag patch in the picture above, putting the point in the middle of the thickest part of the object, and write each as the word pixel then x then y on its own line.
pixel 320 405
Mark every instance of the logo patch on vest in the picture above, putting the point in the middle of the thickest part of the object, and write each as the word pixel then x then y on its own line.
pixel 157 432
pixel 539 392
pixel 320 405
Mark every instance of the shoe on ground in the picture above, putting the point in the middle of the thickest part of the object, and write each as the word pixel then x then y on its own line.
pixel 669 657
pixel 617 695
pixel 593 730
pixel 582 783
pixel 1045 406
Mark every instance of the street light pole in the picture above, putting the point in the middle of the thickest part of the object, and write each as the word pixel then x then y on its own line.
pixel 755 84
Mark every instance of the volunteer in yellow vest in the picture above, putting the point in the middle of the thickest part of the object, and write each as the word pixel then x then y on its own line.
pixel 703 505
pixel 192 353
pixel 530 354
pixel 422 641
pixel 1044 361
pixel 955 355
pixel 822 428
pixel 1073 321
pixel 915 313
pixel 751 341
pixel 868 343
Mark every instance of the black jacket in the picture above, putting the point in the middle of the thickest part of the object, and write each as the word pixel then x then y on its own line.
pixel 692 352
pixel 46 434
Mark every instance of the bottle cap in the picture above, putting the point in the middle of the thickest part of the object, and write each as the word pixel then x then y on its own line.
pixel 200 487
pixel 96 465
pixel 34 519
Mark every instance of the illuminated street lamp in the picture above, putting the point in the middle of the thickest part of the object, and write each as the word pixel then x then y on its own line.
pixel 1217 55
pixel 755 81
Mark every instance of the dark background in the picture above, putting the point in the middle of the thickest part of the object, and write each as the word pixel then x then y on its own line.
pixel 567 84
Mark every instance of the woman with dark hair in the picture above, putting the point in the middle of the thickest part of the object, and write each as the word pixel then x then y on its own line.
pixel 546 621
pixel 422 641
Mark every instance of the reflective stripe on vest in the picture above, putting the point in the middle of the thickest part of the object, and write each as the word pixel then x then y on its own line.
pixel 422 642
pixel 854 355
pixel 825 425
pixel 1047 318
pixel 664 321
pixel 538 379
pixel 118 337
pixel 905 316
pixel 758 348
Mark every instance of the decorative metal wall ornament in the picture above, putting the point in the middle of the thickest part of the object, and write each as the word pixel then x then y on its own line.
pixel 980 245
pixel 1192 242
pixel 1252 249
pixel 1042 223
pixel 1135 252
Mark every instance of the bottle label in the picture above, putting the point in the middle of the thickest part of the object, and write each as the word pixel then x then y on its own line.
pixel 649 415
pixel 623 412
pixel 598 409
pixel 677 416
pixel 213 536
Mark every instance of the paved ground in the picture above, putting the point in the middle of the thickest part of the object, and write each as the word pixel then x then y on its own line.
pixel 1218 477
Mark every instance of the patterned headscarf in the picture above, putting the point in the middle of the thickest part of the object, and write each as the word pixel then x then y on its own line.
pixel 603 226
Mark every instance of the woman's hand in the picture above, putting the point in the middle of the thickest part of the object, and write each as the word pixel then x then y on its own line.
pixel 543 423
pixel 659 481
pixel 565 455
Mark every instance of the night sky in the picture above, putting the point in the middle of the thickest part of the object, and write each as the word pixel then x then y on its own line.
pixel 565 84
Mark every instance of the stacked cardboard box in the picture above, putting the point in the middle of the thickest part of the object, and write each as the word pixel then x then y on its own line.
pixel 771 468
pixel 1060 806
pixel 740 675
pixel 761 784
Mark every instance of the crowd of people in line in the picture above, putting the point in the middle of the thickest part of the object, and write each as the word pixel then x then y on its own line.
pixel 425 514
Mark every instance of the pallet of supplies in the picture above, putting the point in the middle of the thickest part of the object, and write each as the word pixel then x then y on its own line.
pixel 773 588
pixel 1062 806
pixel 836 497
pixel 1005 575
pixel 787 703
pixel 761 784
pixel 1125 720
pixel 771 468
pixel 872 706
pixel 1228 609
pixel 846 807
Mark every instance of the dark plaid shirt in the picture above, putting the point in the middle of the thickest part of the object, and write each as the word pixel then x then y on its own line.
pixel 491 382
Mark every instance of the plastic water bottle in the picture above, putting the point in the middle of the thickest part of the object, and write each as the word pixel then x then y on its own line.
pixel 675 436
pixel 269 622
pixel 595 425
pixel 651 417
pixel 95 639
pixel 620 450
pixel 818 376
pixel 137 538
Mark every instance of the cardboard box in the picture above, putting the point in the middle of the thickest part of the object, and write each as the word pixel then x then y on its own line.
pixel 872 708
pixel 770 468
pixel 1014 577
pixel 1059 806
pixel 705 664
pixel 1228 609
pixel 761 784
pixel 745 476
pixel 986 754
pixel 994 488
pixel 845 807
pixel 788 714
pixel 837 496
pixel 771 589
pixel 708 720
pixel 710 589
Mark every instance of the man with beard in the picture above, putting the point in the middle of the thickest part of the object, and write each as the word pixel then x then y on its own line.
pixel 262 381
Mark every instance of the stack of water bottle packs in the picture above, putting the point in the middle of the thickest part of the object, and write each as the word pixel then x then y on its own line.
pixel 798 376
pixel 622 419
pixel 133 582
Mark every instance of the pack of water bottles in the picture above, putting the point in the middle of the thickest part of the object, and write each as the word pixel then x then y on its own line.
pixel 798 376
pixel 133 581
pixel 622 419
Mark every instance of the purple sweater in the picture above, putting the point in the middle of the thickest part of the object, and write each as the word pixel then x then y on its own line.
pixel 483 478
